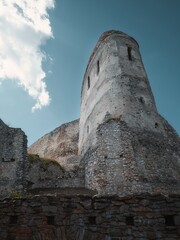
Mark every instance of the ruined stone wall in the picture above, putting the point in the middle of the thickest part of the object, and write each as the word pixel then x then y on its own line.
pixel 61 145
pixel 48 174
pixel 126 161
pixel 89 218
pixel 13 160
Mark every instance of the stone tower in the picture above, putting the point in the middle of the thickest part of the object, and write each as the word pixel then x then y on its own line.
pixel 127 147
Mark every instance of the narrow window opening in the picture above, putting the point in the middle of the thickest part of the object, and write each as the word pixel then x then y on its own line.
pixel 8 160
pixel 98 67
pixel 105 157
pixel 141 99
pixel 130 221
pixel 92 220
pixel 88 129
pixel 50 220
pixel 129 49
pixel 121 155
pixel 88 82
pixel 156 124
pixel 13 219
pixel 169 220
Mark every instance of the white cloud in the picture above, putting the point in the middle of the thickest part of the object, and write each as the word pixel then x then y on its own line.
pixel 24 27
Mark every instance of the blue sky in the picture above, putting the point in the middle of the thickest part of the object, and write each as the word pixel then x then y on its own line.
pixel 76 27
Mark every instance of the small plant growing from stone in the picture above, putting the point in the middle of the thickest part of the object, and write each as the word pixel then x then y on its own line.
pixel 16 194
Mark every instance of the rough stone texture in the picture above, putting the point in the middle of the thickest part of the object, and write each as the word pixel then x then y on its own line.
pixel 90 218
pixel 13 160
pixel 128 147
pixel 48 174
pixel 119 89
pixel 61 145
pixel 127 161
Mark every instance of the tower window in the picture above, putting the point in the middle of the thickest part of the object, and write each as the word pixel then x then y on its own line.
pixel 141 99
pixel 8 160
pixel 88 129
pixel 98 67
pixel 129 50
pixel 88 82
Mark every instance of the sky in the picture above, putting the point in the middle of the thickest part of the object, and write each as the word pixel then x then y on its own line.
pixel 45 46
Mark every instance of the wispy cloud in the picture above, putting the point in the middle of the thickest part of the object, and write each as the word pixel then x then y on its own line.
pixel 24 27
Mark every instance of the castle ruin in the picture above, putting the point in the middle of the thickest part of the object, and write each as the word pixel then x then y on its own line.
pixel 125 146
pixel 121 153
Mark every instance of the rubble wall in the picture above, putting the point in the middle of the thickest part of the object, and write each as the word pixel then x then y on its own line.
pixel 13 160
pixel 89 218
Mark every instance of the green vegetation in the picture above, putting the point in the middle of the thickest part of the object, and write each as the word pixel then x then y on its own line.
pixel 16 195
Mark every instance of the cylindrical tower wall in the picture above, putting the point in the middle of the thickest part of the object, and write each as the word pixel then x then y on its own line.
pixel 126 146
pixel 115 85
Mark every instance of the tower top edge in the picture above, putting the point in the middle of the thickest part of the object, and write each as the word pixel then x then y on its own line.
pixel 108 33
pixel 102 38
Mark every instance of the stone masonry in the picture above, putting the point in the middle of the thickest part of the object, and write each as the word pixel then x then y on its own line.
pixel 13 160
pixel 60 144
pixel 86 218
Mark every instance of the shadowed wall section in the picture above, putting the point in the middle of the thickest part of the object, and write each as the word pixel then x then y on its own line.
pixel 13 160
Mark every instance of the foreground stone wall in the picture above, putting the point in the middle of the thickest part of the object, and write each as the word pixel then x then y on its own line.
pixel 61 145
pixel 13 160
pixel 88 218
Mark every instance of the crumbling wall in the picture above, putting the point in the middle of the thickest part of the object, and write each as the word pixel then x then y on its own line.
pixel 48 174
pixel 61 145
pixel 13 160
pixel 127 161
pixel 90 218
